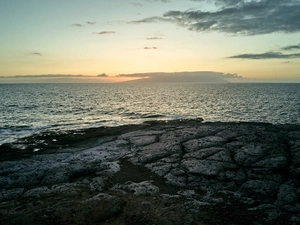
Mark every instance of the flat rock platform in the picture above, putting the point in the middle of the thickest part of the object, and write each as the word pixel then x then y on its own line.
pixel 160 172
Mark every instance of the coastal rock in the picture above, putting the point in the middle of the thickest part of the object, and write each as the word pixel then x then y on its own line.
pixel 101 207
pixel 11 194
pixel 180 172
pixel 144 188
pixel 286 195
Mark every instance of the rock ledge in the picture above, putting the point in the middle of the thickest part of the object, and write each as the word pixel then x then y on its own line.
pixel 181 172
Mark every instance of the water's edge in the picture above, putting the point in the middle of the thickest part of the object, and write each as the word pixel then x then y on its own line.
pixel 52 140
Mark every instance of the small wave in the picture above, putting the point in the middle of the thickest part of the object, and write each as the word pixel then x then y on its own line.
pixel 150 116
pixel 134 115
pixel 30 107
pixel 12 105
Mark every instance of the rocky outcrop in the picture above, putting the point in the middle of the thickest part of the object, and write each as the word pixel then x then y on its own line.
pixel 180 172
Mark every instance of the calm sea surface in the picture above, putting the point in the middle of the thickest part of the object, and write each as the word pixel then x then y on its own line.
pixel 30 108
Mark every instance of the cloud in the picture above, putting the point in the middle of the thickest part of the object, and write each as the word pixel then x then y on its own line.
pixel 102 75
pixel 81 25
pixel 158 0
pixel 47 76
pixel 221 2
pixel 147 48
pixel 199 76
pixel 77 25
pixel 154 19
pixel 266 55
pixel 136 4
pixel 292 47
pixel 55 78
pixel 105 32
pixel 243 17
pixel 35 54
pixel 154 38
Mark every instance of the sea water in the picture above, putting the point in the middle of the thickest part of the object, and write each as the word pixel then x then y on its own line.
pixel 31 108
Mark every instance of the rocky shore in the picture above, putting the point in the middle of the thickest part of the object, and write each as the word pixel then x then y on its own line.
pixel 176 172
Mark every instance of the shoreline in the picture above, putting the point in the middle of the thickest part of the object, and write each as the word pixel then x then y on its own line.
pixel 174 172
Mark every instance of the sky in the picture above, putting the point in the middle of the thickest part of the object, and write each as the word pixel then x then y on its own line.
pixel 113 40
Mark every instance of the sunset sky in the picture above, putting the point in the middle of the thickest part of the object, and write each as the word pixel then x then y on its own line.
pixel 255 39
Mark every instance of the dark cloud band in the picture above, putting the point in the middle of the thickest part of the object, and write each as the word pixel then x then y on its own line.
pixel 197 76
pixel 292 47
pixel 239 17
pixel 266 55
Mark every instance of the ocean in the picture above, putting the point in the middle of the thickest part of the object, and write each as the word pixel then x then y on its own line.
pixel 27 109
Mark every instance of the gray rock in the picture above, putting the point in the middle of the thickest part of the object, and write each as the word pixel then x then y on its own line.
pixel 237 169
pixel 286 195
pixel 202 167
pixel 101 207
pixel 203 153
pixel 295 152
pixel 156 151
pixel 11 194
pixel 37 192
pixel 260 188
pixel 143 140
pixel 56 175
pixel 294 209
pixel 144 188
pixel 206 142
pixel 264 174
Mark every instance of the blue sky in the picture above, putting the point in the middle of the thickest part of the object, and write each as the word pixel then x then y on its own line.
pixel 254 39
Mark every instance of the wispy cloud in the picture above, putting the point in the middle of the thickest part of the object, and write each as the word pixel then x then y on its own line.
pixel 266 55
pixel 90 23
pixel 77 25
pixel 153 19
pixel 82 25
pixel 222 2
pixel 35 53
pixel 158 0
pixel 292 47
pixel 147 48
pixel 238 17
pixel 104 32
pixel 153 38
pixel 136 4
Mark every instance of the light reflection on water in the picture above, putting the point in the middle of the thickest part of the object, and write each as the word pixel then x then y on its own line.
pixel 27 108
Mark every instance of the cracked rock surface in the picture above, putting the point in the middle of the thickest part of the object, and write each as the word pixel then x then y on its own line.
pixel 178 172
